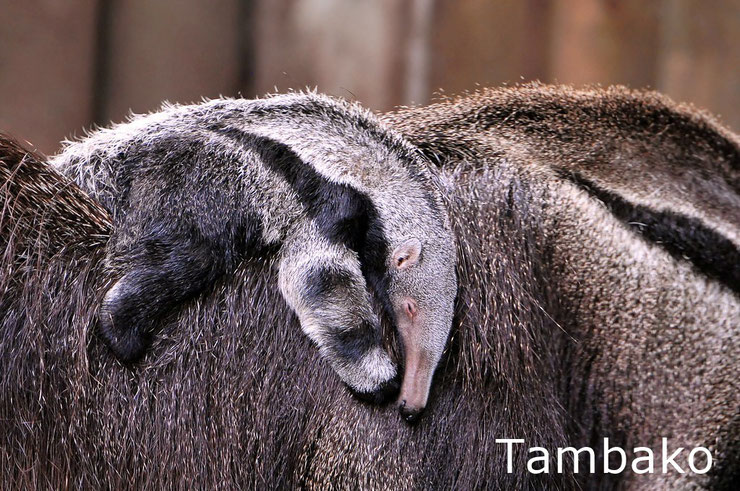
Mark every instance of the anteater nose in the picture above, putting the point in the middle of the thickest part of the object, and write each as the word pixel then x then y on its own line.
pixel 409 414
pixel 410 307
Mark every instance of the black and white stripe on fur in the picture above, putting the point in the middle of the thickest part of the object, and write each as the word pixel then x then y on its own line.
pixel 317 182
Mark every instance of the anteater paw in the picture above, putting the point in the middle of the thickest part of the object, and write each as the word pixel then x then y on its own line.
pixel 120 328
pixel 383 394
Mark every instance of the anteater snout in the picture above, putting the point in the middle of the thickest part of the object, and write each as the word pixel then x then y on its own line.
pixel 409 413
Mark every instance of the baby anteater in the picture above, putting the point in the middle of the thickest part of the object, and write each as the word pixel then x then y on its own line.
pixel 349 209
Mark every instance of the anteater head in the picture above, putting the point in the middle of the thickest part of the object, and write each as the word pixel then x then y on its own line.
pixel 422 286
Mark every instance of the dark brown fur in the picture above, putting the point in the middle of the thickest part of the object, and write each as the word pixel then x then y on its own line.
pixel 551 345
pixel 227 399
pixel 44 219
pixel 650 302
pixel 39 204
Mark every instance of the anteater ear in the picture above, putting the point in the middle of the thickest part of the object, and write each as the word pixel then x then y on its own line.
pixel 407 254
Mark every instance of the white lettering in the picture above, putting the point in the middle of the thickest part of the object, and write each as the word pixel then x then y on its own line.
pixel 509 445
pixel 609 450
pixel 544 458
pixel 641 460
pixel 709 460
pixel 648 458
pixel 576 458
pixel 670 458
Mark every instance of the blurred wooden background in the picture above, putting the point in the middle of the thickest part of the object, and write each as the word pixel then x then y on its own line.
pixel 66 64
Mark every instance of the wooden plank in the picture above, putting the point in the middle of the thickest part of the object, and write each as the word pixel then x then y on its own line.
pixel 348 49
pixel 46 69
pixel 606 42
pixel 487 43
pixel 701 55
pixel 175 50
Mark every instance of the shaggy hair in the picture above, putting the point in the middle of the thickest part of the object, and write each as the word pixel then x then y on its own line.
pixel 231 397
pixel 196 189
pixel 638 201
pixel 572 324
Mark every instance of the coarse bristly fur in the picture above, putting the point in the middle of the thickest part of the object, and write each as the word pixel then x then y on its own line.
pixel 572 324
pixel 314 181
pixel 40 208
pixel 637 200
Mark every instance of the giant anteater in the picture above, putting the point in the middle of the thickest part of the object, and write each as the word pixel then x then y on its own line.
pixel 597 255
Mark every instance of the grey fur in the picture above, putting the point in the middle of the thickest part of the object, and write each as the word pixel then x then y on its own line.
pixel 191 182
pixel 653 341
pixel 570 326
